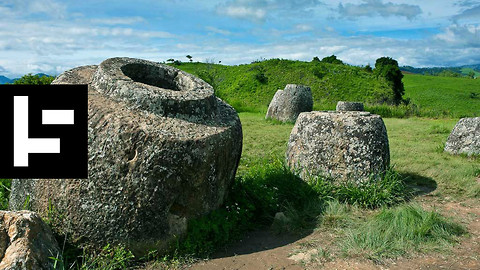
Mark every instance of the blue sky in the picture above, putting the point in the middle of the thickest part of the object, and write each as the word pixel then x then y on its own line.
pixel 51 36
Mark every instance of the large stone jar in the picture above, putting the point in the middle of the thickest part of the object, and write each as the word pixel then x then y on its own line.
pixel 162 150
pixel 344 146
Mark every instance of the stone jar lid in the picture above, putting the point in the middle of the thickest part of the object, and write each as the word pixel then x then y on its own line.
pixel 155 88
pixel 349 106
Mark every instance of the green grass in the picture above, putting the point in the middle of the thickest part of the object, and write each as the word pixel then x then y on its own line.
pixel 402 230
pixel 414 150
pixel 444 95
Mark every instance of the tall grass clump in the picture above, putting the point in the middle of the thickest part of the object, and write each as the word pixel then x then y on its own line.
pixel 401 230
pixel 375 192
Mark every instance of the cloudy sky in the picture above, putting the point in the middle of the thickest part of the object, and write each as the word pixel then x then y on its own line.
pixel 51 36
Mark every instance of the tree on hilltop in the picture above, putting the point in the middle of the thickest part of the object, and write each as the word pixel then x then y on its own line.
pixel 34 79
pixel 332 59
pixel 387 68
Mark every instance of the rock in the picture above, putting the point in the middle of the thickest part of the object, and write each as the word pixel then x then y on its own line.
pixel 287 104
pixel 26 242
pixel 305 257
pixel 345 146
pixel 162 150
pixel 465 137
pixel 349 106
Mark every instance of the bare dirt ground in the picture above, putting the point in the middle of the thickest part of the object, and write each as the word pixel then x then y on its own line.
pixel 265 250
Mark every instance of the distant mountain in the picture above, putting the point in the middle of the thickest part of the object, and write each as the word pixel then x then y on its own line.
pixel 474 67
pixel 4 80
pixel 444 71
pixel 43 74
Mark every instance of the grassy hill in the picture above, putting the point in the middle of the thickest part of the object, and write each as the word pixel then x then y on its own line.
pixel 251 87
pixel 455 97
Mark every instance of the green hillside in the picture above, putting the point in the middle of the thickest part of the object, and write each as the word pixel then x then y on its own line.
pixel 466 71
pixel 456 97
pixel 251 87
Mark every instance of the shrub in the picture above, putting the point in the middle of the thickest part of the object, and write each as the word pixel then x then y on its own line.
pixel 332 59
pixel 390 189
pixel 35 79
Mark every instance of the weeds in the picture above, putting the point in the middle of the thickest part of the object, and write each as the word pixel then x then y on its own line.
pixel 107 259
pixel 5 185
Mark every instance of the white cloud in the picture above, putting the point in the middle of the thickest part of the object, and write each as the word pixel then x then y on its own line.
pixel 50 8
pixel 218 31
pixel 119 20
pixel 471 13
pixel 242 12
pixel 258 10
pixel 371 8
pixel 461 35
pixel 303 27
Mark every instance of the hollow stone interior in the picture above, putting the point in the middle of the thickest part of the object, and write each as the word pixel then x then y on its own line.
pixel 151 75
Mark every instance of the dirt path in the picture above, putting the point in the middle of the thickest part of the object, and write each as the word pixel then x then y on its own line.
pixel 264 250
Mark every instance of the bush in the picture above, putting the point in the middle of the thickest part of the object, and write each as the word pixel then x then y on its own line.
pixel 332 59
pixel 34 79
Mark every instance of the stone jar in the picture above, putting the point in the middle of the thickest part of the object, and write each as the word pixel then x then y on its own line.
pixel 344 146
pixel 287 104
pixel 162 150
pixel 349 106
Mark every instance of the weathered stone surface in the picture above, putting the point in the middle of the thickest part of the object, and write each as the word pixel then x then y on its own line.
pixel 162 150
pixel 349 106
pixel 26 242
pixel 287 104
pixel 465 137
pixel 340 145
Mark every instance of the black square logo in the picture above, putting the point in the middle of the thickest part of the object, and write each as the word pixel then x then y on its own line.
pixel 44 131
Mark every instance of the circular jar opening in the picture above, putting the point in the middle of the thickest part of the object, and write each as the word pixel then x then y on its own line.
pixel 151 75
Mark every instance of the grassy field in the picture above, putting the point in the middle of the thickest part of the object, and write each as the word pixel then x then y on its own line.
pixel 457 97
pixel 416 147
